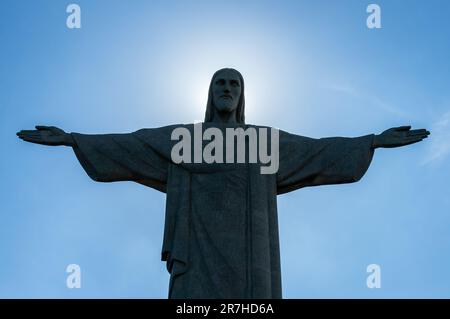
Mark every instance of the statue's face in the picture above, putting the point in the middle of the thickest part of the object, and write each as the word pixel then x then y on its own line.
pixel 226 91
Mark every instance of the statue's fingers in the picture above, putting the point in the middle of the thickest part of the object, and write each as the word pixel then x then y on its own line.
pixel 416 136
pixel 27 131
pixel 418 132
pixel 34 132
pixel 32 137
pixel 26 135
pixel 411 140
pixel 424 131
pixel 33 140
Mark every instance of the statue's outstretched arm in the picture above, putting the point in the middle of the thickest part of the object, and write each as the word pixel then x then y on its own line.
pixel 399 136
pixel 47 135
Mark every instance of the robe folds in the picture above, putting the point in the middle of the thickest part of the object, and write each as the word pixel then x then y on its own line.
pixel 221 225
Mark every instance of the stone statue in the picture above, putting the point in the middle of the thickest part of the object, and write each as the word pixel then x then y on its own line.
pixel 221 231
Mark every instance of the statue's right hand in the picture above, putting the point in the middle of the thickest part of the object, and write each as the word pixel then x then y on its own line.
pixel 46 135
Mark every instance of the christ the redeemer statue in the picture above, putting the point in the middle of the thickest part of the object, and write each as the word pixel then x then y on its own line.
pixel 221 230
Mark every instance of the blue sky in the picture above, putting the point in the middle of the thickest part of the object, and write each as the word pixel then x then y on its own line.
pixel 311 67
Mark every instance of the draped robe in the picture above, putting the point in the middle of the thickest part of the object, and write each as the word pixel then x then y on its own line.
pixel 221 225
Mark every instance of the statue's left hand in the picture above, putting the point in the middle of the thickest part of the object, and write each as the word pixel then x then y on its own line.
pixel 399 136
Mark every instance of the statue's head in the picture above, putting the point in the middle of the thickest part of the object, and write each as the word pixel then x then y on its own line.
pixel 226 95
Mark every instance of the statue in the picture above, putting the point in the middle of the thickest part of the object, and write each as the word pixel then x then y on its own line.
pixel 221 231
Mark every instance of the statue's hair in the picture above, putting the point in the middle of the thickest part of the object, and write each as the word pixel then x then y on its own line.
pixel 240 116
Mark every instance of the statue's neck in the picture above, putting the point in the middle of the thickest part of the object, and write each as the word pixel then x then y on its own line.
pixel 224 117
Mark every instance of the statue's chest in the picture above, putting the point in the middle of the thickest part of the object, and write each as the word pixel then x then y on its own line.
pixel 229 181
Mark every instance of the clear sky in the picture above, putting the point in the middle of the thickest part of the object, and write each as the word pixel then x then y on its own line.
pixel 311 67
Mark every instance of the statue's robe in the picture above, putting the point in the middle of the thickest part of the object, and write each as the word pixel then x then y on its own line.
pixel 221 229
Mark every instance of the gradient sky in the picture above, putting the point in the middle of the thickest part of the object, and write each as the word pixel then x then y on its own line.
pixel 311 67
